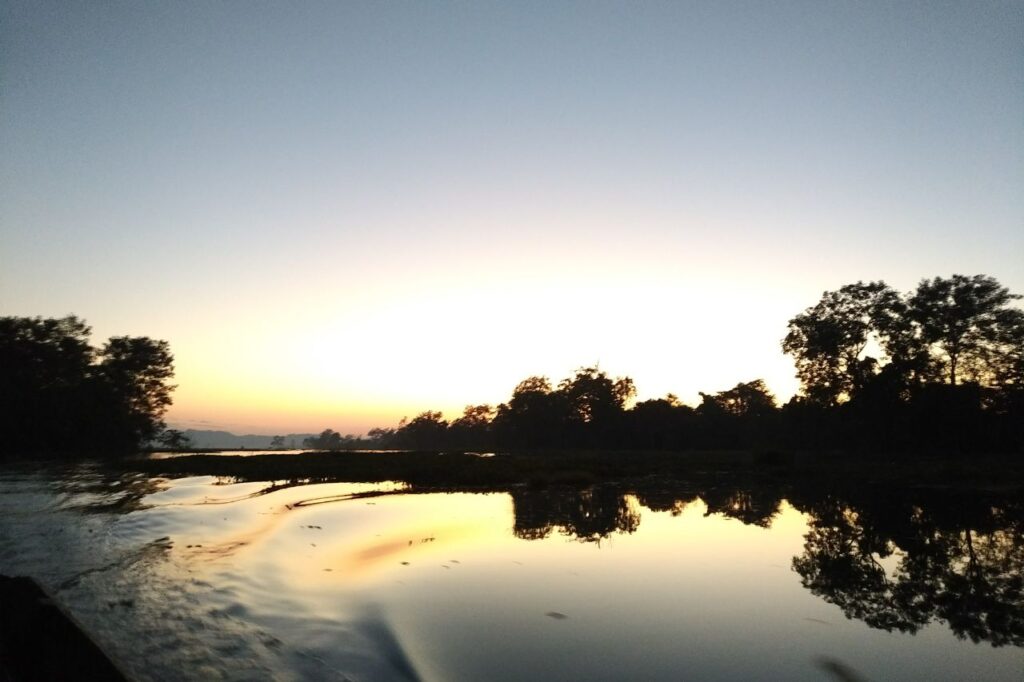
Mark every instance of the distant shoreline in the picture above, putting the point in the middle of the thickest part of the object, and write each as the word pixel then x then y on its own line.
pixel 581 468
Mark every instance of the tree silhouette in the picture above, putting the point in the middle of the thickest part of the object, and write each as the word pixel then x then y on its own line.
pixel 427 429
pixel 173 439
pixel 891 369
pixel 534 416
pixel 828 341
pixel 751 399
pixel 594 397
pixel 472 428
pixel 967 324
pixel 329 439
pixel 663 423
pixel 60 395
pixel 135 372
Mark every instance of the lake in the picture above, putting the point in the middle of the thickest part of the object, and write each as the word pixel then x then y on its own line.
pixel 204 577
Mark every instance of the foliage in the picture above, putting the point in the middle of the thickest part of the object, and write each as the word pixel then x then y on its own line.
pixel 752 399
pixel 173 439
pixel 947 330
pixel 59 395
pixel 968 326
pixel 829 340
pixel 329 439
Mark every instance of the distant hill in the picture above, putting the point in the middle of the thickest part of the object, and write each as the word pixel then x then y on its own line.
pixel 225 439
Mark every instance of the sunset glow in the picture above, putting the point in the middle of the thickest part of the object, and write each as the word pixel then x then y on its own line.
pixel 348 214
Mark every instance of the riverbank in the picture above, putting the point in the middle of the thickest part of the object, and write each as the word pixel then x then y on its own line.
pixel 543 468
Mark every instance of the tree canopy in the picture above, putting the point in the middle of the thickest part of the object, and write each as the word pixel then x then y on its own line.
pixel 949 330
pixel 58 394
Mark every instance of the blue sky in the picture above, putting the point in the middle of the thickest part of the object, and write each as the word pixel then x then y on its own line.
pixel 341 213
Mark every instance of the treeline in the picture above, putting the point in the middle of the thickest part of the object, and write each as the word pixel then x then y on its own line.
pixel 938 369
pixel 61 396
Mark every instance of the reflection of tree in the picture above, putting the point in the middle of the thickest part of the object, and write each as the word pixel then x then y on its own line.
pixel 970 576
pixel 665 499
pixel 757 506
pixel 842 564
pixel 588 515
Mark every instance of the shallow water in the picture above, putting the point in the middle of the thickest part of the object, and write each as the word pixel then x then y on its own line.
pixel 204 578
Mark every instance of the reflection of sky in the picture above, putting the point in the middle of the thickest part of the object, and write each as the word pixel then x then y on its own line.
pixel 342 214
pixel 458 596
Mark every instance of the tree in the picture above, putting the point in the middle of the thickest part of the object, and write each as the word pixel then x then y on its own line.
pixel 135 371
pixel 751 399
pixel 45 365
pixel 662 423
pixel 534 416
pixel 381 437
pixel 277 443
pixel 594 397
pixel 1007 363
pixel 471 429
pixel 173 439
pixel 948 329
pixel 829 340
pixel 425 430
pixel 58 394
pixel 967 326
pixel 474 417
pixel 329 439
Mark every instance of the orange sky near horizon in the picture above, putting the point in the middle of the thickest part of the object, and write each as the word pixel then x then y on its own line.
pixel 342 214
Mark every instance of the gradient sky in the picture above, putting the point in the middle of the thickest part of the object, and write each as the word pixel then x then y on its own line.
pixel 342 213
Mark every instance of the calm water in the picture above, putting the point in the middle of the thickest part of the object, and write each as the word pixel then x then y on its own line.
pixel 201 578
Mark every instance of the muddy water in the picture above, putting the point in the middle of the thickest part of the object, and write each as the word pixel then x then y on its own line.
pixel 201 578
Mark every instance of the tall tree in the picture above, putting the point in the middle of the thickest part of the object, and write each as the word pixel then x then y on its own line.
pixel 136 371
pixel 594 397
pixel 45 365
pixel 830 340
pixel 534 416
pixel 60 395
pixel 967 324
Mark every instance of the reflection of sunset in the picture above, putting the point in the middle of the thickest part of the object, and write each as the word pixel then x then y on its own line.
pixel 321 533
pixel 403 546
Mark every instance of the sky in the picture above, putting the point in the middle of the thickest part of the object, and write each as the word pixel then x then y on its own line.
pixel 340 214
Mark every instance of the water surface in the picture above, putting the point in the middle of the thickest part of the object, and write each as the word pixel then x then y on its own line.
pixel 203 577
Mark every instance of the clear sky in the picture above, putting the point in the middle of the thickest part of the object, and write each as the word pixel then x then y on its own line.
pixel 342 213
